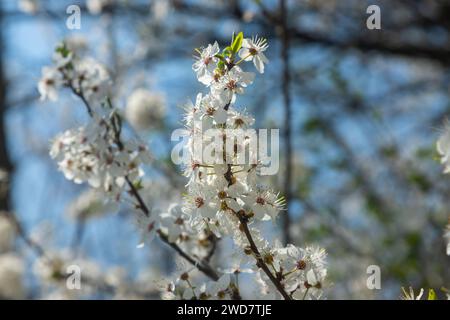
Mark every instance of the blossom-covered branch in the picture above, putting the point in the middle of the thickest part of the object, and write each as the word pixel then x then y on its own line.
pixel 96 154
pixel 223 193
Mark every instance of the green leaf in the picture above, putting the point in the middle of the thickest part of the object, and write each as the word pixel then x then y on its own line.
pixel 62 49
pixel 220 56
pixel 138 184
pixel 227 52
pixel 237 42
pixel 312 124
pixel 431 295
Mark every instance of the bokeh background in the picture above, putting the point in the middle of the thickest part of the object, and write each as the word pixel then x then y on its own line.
pixel 359 112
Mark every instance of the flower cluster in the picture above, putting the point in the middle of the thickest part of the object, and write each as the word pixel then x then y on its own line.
pixel 85 76
pixel 93 153
pixel 145 110
pixel 185 288
pixel 90 154
pixel 175 226
pixel 12 265
pixel 443 148
pixel 224 195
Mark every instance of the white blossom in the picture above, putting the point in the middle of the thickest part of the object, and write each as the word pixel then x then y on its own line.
pixel 7 234
pixel 49 83
pixel 232 83
pixel 11 274
pixel 90 154
pixel 89 204
pixel 443 148
pixel 28 6
pixel 148 225
pixel 144 109
pixel 252 50
pixel 206 63
pixel 97 6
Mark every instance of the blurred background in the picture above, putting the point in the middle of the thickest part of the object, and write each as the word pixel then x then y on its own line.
pixel 359 112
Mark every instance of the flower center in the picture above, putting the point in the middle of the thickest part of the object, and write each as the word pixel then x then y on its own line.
pixel 222 194
pixel 260 201
pixel 207 60
pixel 239 122
pixel 210 111
pixel 301 265
pixel 199 202
pixel 232 84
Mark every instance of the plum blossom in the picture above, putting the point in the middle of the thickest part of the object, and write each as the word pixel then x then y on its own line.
pixel 443 148
pixel 49 83
pixel 145 109
pixel 148 225
pixel 205 63
pixel 252 50
pixel 12 269
pixel 232 83
pixel 264 203
pixel 86 155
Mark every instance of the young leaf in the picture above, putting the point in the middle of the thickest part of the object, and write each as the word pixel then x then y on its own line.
pixel 237 43
pixel 431 294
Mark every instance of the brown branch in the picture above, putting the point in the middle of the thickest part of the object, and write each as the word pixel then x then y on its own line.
pixel 259 260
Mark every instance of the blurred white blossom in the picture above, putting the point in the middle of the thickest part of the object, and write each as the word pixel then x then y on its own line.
pixel 145 110
pixel 11 274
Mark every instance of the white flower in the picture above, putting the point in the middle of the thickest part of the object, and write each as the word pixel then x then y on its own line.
pixel 92 79
pixel 206 63
pixel 28 6
pixel 148 226
pixel 174 222
pixel 76 44
pixel 96 6
pixel 49 83
pixel 89 205
pixel 410 295
pixel 212 112
pixel 90 154
pixel 239 119
pixel 198 202
pixel 252 49
pixel 232 83
pixel 144 109
pixel 217 289
pixel 11 274
pixel 443 148
pixel 193 111
pixel 7 233
pixel 264 203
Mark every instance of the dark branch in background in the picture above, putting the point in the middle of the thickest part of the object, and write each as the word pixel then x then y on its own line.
pixel 285 84
pixel 361 42
pixel 6 167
